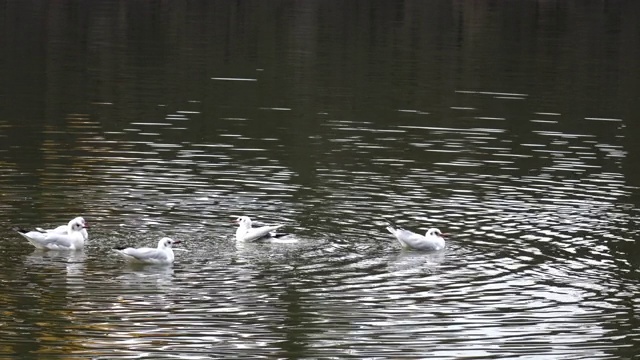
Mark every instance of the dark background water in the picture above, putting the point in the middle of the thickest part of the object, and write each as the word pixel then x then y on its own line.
pixel 510 124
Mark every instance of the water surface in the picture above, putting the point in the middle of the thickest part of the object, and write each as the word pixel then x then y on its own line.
pixel 508 125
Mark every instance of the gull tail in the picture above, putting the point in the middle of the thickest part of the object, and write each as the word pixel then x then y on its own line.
pixel 391 227
pixel 125 256
pixel 394 230
pixel 20 230
pixel 31 241
pixel 120 251
pixel 279 234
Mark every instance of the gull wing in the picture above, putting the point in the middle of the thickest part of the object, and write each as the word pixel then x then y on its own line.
pixel 62 230
pixel 50 241
pixel 260 232
pixel 409 239
pixel 145 255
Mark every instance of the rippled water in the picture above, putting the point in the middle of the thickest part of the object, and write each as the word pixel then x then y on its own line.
pixel 538 198
pixel 535 267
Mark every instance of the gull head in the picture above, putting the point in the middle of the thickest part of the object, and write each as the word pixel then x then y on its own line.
pixel 80 219
pixel 166 242
pixel 243 221
pixel 434 232
pixel 77 224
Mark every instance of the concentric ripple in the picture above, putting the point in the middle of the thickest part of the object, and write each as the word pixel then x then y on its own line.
pixel 538 262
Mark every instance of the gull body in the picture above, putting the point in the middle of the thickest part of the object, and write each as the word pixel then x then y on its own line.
pixel 62 229
pixel 72 238
pixel 246 232
pixel 163 254
pixel 432 241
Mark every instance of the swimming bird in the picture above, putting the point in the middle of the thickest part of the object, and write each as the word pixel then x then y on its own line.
pixel 62 229
pixel 432 241
pixel 72 238
pixel 246 232
pixel 163 254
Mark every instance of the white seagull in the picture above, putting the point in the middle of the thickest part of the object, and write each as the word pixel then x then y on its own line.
pixel 432 241
pixel 62 229
pixel 163 254
pixel 72 238
pixel 247 233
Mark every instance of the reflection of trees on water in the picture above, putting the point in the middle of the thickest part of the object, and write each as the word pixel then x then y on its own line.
pixel 111 110
pixel 139 62
pixel 42 304
pixel 63 313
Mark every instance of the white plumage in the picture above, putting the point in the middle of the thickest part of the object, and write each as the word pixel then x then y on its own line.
pixel 69 237
pixel 62 229
pixel 246 232
pixel 431 241
pixel 163 254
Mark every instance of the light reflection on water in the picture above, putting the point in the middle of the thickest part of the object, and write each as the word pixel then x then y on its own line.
pixel 531 270
pixel 497 123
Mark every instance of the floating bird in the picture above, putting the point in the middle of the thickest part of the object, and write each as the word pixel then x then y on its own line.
pixel 432 241
pixel 163 254
pixel 247 233
pixel 62 229
pixel 70 238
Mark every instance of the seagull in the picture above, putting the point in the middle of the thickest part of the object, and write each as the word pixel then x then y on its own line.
pixel 247 233
pixel 163 254
pixel 62 229
pixel 72 238
pixel 432 241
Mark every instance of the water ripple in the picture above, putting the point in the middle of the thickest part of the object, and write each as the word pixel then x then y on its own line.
pixel 538 264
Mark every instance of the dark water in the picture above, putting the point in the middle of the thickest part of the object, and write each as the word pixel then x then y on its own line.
pixel 509 124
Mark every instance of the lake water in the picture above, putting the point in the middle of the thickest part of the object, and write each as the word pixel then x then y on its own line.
pixel 508 124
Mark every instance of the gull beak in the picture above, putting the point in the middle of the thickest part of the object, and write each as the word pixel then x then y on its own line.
pixel 177 241
pixel 85 225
